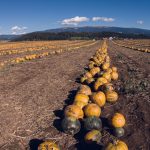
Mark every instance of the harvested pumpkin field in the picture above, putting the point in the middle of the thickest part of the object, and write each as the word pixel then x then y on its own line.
pixel 40 79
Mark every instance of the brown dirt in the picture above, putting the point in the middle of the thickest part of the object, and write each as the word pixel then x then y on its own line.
pixel 33 95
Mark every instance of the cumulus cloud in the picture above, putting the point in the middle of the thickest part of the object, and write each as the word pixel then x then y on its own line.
pixel 18 30
pixel 105 19
pixel 140 22
pixel 74 21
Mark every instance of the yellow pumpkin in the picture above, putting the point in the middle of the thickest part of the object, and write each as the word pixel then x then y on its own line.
pixel 48 145
pixel 99 98
pixel 92 110
pixel 88 75
pixel 93 136
pixel 114 75
pixel 118 120
pixel 74 111
pixel 83 79
pixel 105 66
pixel 81 98
pixel 114 69
pixel 118 145
pixel 107 76
pixel 111 96
pixel 84 89
pixel 90 66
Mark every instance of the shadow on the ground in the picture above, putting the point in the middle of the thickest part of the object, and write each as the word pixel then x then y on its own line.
pixel 34 143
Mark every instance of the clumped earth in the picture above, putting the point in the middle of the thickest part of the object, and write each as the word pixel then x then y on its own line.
pixel 33 95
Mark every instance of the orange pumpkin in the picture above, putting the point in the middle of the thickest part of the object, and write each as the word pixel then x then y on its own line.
pixel 74 111
pixel 88 75
pixel 107 76
pixel 105 66
pixel 90 80
pixel 114 75
pixel 80 104
pixel 102 79
pixel 47 145
pixel 92 110
pixel 118 120
pixel 99 98
pixel 107 59
pixel 111 96
pixel 114 69
pixel 81 98
pixel 109 70
pixel 93 136
pixel 97 85
pixel 94 71
pixel 84 89
pixel 118 145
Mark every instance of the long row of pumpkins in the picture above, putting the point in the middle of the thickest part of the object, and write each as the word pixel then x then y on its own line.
pixel 40 55
pixel 35 48
pixel 133 47
pixel 95 91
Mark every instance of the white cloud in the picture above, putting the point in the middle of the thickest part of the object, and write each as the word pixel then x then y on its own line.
pixel 105 19
pixel 18 30
pixel 74 21
pixel 140 22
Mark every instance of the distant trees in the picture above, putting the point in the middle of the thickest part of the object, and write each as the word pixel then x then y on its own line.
pixel 36 36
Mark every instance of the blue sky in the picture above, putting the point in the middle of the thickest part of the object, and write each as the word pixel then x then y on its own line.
pixel 22 16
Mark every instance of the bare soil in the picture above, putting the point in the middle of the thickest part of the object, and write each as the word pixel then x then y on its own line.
pixel 33 95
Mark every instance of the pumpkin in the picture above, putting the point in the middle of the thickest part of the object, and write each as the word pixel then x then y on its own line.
pixel 70 125
pixel 93 136
pixel 114 75
pixel 99 98
pixel 92 110
pixel 74 111
pixel 118 145
pixel 83 79
pixel 88 75
pixel 118 132
pixel 97 69
pixel 84 89
pixel 102 79
pixel 91 123
pixel 109 70
pixel 82 98
pixel 94 71
pixel 47 145
pixel 111 96
pixel 118 120
pixel 107 87
pixel 90 80
pixel 107 76
pixel 114 69
pixel 105 66
pixel 97 85
pixel 107 59
pixel 80 104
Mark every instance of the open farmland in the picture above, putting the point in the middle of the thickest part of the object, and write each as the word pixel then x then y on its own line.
pixel 38 79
